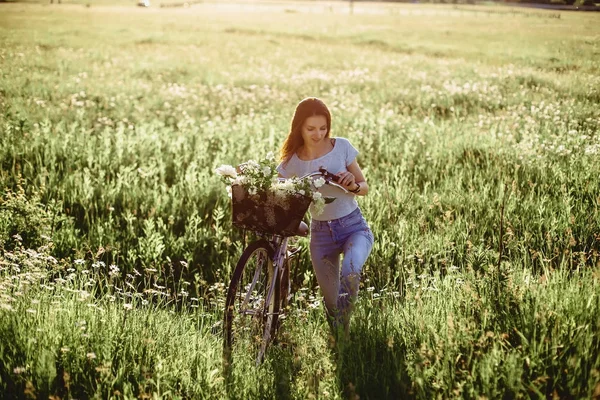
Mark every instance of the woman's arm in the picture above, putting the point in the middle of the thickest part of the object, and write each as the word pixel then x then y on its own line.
pixel 353 179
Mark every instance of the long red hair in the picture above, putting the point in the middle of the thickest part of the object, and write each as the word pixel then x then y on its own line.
pixel 309 107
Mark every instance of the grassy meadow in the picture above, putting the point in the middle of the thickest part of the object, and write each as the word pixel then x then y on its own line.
pixel 479 133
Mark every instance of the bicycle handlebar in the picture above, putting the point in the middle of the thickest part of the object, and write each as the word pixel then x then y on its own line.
pixel 330 178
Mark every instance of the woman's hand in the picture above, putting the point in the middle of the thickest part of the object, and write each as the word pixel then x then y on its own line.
pixel 354 180
pixel 346 179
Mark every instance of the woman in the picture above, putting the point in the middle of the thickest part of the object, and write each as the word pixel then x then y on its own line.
pixel 340 229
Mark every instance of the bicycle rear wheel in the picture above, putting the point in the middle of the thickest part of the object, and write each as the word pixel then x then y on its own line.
pixel 252 305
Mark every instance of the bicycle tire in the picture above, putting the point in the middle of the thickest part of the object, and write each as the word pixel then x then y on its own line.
pixel 250 318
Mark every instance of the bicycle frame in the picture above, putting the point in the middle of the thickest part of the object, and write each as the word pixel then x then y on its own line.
pixel 280 247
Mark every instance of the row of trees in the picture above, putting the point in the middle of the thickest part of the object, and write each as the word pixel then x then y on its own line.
pixel 584 3
pixel 587 3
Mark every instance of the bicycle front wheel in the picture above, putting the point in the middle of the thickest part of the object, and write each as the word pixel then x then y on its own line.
pixel 252 305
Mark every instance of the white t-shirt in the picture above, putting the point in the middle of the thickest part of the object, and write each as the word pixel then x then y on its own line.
pixel 335 161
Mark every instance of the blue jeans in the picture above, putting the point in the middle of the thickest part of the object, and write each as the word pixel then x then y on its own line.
pixel 350 236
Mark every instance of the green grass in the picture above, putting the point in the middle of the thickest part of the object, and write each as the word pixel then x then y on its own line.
pixel 113 118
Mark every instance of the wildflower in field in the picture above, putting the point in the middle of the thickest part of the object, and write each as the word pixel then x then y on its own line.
pixel 128 306
pixel 19 370
pixel 113 270
pixel 83 295
pixel 91 355
pixel 314 304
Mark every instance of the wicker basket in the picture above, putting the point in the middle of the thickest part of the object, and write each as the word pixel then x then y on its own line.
pixel 267 212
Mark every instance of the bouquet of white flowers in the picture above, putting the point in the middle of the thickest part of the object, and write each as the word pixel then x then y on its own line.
pixel 263 202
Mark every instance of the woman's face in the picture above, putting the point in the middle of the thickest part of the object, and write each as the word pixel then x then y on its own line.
pixel 314 130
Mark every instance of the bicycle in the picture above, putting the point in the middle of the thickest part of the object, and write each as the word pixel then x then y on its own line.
pixel 260 286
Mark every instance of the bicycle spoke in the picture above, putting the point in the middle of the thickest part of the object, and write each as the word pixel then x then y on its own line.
pixel 253 284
